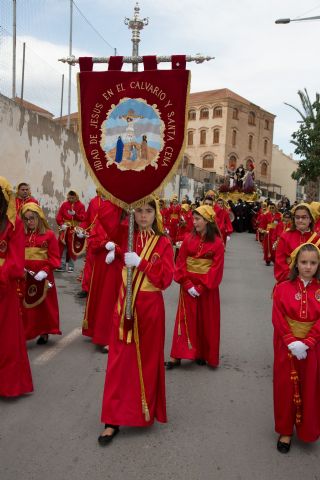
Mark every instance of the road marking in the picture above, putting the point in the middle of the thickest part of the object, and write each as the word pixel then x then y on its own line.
pixel 60 345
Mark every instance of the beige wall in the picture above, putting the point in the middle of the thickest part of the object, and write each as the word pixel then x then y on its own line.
pixel 282 168
pixel 37 151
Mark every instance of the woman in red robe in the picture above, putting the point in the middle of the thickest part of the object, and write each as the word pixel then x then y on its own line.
pixel 134 393
pixel 223 219
pixel 15 373
pixel 296 321
pixel 199 270
pixel 302 231
pixel 41 311
pixel 104 288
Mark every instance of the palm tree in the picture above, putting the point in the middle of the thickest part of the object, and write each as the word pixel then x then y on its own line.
pixel 307 105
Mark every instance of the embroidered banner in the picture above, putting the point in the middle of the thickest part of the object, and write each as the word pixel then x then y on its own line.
pixel 132 127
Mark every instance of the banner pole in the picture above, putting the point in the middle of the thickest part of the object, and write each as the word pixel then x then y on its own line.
pixel 129 269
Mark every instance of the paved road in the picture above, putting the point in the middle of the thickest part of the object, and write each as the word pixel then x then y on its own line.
pixel 220 421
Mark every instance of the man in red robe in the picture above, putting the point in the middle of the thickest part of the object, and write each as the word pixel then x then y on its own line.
pixel 71 213
pixel 23 196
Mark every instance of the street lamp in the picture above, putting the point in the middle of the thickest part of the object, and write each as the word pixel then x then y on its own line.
pixel 288 20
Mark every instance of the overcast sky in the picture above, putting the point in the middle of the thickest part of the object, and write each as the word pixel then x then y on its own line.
pixel 263 62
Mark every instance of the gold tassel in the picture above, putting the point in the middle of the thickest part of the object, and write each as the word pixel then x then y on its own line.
pixel 144 404
pixel 297 400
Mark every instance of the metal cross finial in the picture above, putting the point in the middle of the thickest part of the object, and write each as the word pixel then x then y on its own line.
pixel 136 24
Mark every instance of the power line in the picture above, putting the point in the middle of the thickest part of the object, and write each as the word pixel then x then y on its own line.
pixel 93 28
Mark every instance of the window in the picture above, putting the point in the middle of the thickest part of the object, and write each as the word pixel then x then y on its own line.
pixel 216 135
pixel 252 118
pixel 208 161
pixel 249 164
pixel 232 162
pixel 267 124
pixel 204 113
pixel 250 142
pixel 192 115
pixel 264 169
pixel 234 138
pixel 217 112
pixel 203 135
pixel 235 114
pixel 190 138
pixel 265 147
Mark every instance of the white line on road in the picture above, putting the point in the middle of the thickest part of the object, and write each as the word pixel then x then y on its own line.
pixel 60 345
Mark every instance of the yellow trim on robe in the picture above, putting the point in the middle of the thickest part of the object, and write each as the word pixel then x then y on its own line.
pixel 36 253
pixel 198 265
pixel 271 225
pixel 2 260
pixel 299 329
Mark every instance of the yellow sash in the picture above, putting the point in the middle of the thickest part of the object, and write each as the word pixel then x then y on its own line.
pixel 198 265
pixel 299 329
pixel 36 253
pixel 2 260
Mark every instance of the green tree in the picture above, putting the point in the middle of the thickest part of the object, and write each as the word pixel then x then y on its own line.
pixel 307 142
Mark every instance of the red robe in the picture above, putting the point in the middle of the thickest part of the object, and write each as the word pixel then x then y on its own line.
pixel 317 226
pixel 20 202
pixel 197 327
pixel 64 218
pixel 288 242
pixel 268 223
pixel 185 225
pixel 122 403
pixel 259 220
pixel 103 290
pixel 15 373
pixel 173 215
pixel 223 221
pixel 88 225
pixel 42 253
pixel 293 301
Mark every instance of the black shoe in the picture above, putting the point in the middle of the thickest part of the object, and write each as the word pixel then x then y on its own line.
pixel 200 361
pixel 82 294
pixel 283 447
pixel 43 339
pixel 170 364
pixel 268 264
pixel 106 439
pixel 60 269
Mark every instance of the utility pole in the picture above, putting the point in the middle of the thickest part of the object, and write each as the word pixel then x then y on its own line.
pixel 14 47
pixel 70 66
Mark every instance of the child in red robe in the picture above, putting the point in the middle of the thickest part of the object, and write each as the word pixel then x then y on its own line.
pixel 199 270
pixel 296 321
pixel 41 311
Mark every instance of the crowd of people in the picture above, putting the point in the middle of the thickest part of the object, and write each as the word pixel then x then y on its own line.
pixel 184 242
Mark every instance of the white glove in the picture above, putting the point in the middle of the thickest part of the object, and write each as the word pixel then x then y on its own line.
pixel 298 349
pixel 71 212
pixel 41 275
pixel 132 259
pixel 110 257
pixel 80 235
pixel 193 292
pixel 64 227
pixel 110 246
pixel 228 238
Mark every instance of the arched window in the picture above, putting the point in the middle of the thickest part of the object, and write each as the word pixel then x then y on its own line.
pixel 203 137
pixel 249 164
pixel 232 162
pixel 204 113
pixel 217 112
pixel 265 147
pixel 264 169
pixel 192 115
pixel 266 124
pixel 234 138
pixel 216 135
pixel 190 138
pixel 250 142
pixel 208 161
pixel 235 114
pixel 252 118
